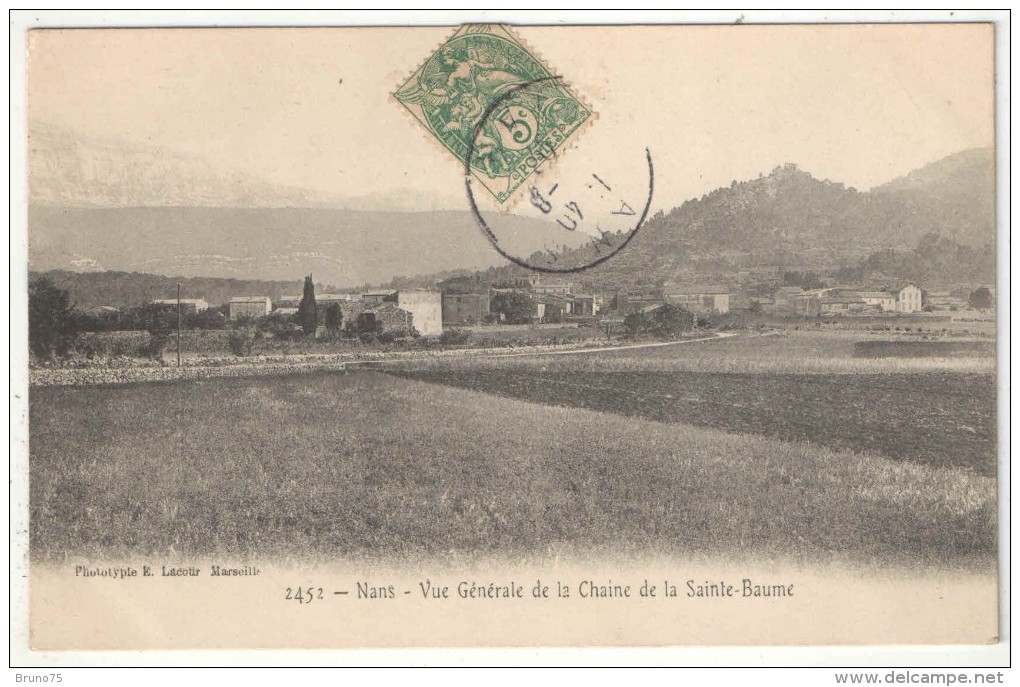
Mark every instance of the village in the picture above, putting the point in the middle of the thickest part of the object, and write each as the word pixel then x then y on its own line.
pixel 468 302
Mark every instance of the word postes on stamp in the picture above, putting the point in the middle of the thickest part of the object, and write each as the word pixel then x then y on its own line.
pixel 482 68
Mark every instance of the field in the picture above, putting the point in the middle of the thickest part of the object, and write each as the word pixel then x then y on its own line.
pixel 803 386
pixel 923 349
pixel 773 352
pixel 815 467
pixel 934 418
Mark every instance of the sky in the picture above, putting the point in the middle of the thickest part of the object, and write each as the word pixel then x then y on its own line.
pixel 858 104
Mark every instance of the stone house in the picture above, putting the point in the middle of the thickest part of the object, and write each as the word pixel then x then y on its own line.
pixel 192 304
pixel 249 306
pixel 908 299
pixel 384 318
pixel 465 308
pixel 426 307
pixel 584 305
pixel 883 300
pixel 698 297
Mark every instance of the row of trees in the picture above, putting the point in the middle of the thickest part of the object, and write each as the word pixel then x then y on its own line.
pixel 54 324
pixel 142 317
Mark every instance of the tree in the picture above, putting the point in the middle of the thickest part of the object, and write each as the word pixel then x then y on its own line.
pixel 279 327
pixel 635 323
pixel 667 321
pixel 516 307
pixel 334 318
pixel 159 320
pixel 980 299
pixel 308 311
pixel 670 321
pixel 210 318
pixel 98 321
pixel 51 319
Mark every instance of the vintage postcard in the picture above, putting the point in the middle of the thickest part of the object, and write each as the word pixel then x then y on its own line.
pixel 511 336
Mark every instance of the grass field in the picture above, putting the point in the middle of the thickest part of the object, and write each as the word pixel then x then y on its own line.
pixel 369 464
pixel 782 352
pixel 923 349
pixel 810 386
pixel 938 419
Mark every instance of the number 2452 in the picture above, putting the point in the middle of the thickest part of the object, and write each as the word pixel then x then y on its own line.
pixel 304 595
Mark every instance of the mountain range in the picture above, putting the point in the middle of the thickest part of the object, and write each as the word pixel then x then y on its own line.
pixel 69 170
pixel 345 247
pixel 107 205
pixel 103 205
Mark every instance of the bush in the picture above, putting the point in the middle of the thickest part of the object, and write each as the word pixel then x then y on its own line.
pixel 635 324
pixel 210 318
pixel 667 322
pixel 280 328
pixel 671 321
pixel 155 346
pixel 99 322
pixel 91 346
pixel 980 299
pixel 240 342
pixel 454 337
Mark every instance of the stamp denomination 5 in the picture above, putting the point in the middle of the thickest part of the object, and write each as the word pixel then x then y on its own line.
pixel 452 95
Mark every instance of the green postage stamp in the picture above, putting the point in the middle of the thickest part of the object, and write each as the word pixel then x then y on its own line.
pixel 483 95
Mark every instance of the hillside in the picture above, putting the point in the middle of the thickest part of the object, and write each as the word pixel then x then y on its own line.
pixel 954 196
pixel 789 209
pixel 935 262
pixel 789 218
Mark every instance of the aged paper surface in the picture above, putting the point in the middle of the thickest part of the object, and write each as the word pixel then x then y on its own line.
pixel 722 372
